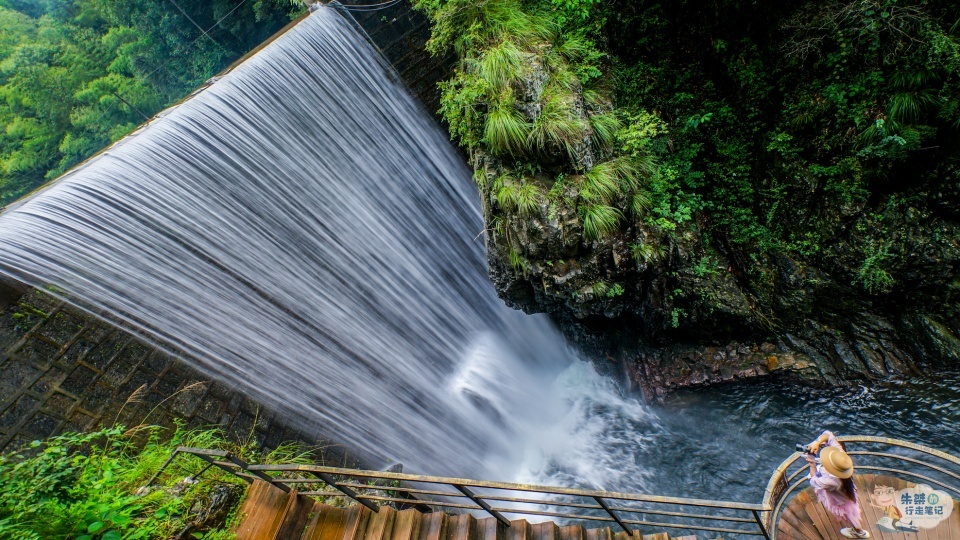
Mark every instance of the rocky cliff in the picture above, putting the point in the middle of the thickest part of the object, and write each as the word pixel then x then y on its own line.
pixel 706 191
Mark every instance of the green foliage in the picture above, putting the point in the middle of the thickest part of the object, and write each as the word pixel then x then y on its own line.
pixel 871 276
pixel 522 197
pixel 557 125
pixel 705 267
pixel 599 220
pixel 505 131
pixel 600 288
pixel 76 75
pixel 83 486
pixel 647 252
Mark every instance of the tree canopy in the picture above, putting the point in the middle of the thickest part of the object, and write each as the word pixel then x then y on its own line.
pixel 76 75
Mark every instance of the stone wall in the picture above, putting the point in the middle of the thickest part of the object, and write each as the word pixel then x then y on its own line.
pixel 64 370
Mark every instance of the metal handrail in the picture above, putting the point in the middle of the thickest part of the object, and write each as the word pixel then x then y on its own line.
pixel 477 495
pixel 592 505
pixel 783 485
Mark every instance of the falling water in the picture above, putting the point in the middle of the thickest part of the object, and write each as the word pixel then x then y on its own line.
pixel 304 230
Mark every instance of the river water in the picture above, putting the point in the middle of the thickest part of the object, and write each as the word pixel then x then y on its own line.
pixel 304 230
pixel 723 442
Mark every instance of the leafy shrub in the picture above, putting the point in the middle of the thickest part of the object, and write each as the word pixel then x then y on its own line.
pixel 83 486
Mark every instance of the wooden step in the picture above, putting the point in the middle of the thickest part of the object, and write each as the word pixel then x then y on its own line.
pixel 601 533
pixel 356 523
pixel 656 536
pixel 406 526
pixel 572 532
pixel 799 526
pixel 434 526
pixel 461 527
pixel 328 523
pixel 263 512
pixel 547 530
pixel 298 513
pixel 380 525
pixel 490 529
pixel 519 530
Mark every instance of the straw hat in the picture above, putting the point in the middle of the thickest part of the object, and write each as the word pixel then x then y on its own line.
pixel 836 462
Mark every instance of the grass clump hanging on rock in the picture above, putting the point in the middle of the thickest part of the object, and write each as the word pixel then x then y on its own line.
pixel 528 93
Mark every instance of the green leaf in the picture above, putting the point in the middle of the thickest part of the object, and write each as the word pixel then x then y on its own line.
pixel 112 534
pixel 95 526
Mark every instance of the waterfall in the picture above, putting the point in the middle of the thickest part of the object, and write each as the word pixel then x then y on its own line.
pixel 304 230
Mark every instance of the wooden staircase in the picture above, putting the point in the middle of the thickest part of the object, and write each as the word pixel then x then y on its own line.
pixel 270 514
pixel 804 518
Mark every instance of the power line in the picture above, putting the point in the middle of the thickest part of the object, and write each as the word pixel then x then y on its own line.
pixel 165 64
pixel 205 32
pixel 189 18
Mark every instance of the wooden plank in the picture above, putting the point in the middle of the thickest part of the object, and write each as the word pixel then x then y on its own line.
pixel 811 510
pixel 296 516
pixel 316 521
pixel 785 530
pixel 433 526
pixel 802 523
pixel 546 530
pixel 327 523
pixel 519 530
pixel 488 529
pixel 356 523
pixel 250 503
pixel 406 526
pixel 656 536
pixel 622 536
pixel 264 509
pixel 571 532
pixel 334 523
pixel 380 525
pixel 461 527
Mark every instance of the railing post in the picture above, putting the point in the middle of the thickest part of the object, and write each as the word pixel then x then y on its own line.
pixel 616 518
pixel 482 503
pixel 756 515
pixel 345 490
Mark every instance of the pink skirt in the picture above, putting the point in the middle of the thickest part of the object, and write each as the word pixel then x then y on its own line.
pixel 839 505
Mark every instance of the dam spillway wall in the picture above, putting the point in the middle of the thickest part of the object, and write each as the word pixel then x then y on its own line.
pixel 59 371
pixel 400 33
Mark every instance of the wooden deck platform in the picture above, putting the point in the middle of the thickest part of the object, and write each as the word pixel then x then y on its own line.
pixel 806 519
pixel 270 514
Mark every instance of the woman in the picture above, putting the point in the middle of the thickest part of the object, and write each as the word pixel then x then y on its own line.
pixel 832 481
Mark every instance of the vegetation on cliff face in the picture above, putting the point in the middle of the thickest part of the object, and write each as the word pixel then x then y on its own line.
pixel 693 171
pixel 91 486
pixel 76 75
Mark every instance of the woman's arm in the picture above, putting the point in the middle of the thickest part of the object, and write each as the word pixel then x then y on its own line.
pixel 813 465
pixel 823 439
